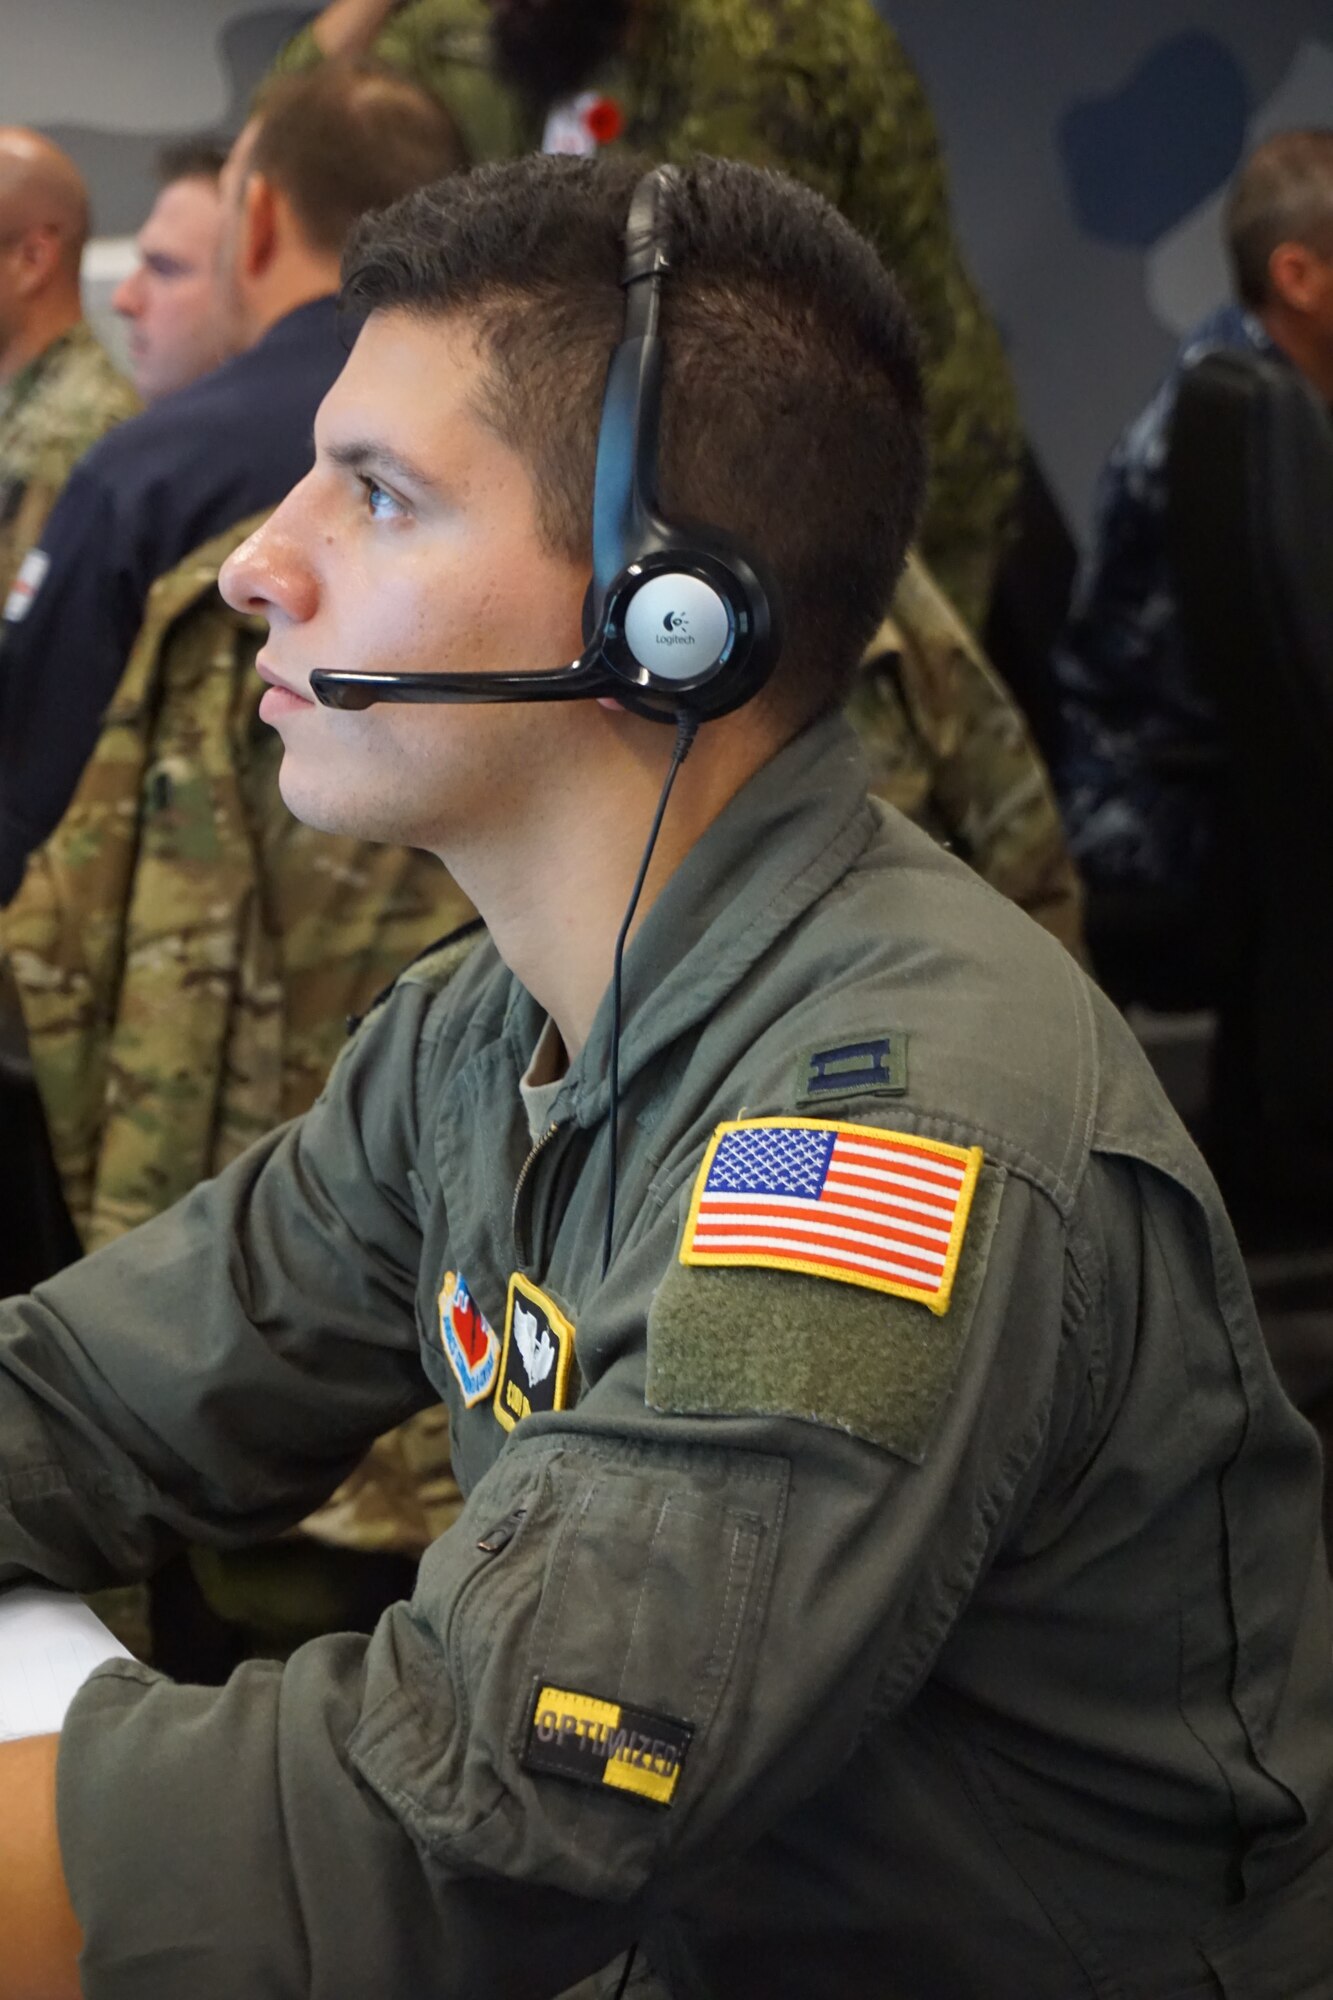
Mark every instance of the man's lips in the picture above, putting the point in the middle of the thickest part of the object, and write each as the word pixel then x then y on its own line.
pixel 282 698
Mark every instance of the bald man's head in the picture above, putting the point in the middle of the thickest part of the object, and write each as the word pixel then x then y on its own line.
pixel 43 228
pixel 42 189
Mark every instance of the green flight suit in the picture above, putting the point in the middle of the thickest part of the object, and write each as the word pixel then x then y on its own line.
pixel 53 411
pixel 820 89
pixel 825 1636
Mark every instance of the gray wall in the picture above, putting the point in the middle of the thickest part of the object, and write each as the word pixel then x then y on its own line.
pixel 1087 141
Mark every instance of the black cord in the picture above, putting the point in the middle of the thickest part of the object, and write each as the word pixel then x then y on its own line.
pixel 687 728
pixel 630 1957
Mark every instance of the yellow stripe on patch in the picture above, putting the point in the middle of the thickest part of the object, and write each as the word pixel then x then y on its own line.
pixel 856 1203
pixel 585 1707
pixel 643 1779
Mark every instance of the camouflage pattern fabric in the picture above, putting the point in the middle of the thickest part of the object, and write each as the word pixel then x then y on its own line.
pixel 53 411
pixel 820 89
pixel 187 956
pixel 948 746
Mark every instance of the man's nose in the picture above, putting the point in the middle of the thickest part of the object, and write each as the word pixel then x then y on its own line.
pixel 266 575
pixel 126 298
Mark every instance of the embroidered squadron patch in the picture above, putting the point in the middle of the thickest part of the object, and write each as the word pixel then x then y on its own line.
pixel 883 1209
pixel 604 1743
pixel 875 1066
pixel 537 1356
pixel 467 1339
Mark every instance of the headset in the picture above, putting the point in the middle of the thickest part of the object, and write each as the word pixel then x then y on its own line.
pixel 681 624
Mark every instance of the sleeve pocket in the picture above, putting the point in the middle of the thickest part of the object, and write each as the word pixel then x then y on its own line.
pixel 566 1700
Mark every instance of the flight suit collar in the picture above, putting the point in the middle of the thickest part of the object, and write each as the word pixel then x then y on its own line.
pixel 781 843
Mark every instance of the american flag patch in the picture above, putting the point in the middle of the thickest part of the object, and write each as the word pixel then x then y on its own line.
pixel 876 1208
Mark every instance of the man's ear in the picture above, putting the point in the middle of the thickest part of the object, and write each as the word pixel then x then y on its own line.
pixel 1295 275
pixel 38 255
pixel 259 225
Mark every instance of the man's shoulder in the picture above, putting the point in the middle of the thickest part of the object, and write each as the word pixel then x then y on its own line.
pixel 1228 328
pixel 836 39
pixel 79 397
pixel 1004 1041
pixel 211 421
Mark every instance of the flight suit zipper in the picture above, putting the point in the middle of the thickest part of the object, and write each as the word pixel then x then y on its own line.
pixel 517 1222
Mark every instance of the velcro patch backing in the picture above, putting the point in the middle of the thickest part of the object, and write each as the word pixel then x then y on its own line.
pixel 768 1342
pixel 605 1743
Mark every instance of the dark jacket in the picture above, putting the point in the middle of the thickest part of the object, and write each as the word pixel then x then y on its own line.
pixel 192 465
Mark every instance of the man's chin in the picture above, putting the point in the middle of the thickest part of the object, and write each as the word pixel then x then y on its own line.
pixel 317 805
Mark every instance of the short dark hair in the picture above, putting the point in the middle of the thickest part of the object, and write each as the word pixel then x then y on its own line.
pixel 200 157
pixel 347 138
pixel 792 402
pixel 1282 194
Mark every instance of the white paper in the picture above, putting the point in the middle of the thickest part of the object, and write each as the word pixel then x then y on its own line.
pixel 49 1644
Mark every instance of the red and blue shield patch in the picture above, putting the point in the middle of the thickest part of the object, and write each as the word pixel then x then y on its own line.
pixel 467 1339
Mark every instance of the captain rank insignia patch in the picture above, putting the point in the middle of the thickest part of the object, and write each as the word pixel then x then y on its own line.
pixel 468 1341
pixel 537 1359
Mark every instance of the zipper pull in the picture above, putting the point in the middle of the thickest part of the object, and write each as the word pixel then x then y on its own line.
pixel 499 1538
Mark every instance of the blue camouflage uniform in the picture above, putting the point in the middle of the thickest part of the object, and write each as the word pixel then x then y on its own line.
pixel 1129 702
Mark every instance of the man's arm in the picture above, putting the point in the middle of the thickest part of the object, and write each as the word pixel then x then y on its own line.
pixel 39 1960
pixel 214 1374
pixel 346 28
pixel 426 1810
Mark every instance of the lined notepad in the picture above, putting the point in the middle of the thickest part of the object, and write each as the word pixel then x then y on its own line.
pixel 49 1644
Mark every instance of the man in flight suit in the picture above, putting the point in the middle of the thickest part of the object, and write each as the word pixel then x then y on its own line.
pixel 889 1563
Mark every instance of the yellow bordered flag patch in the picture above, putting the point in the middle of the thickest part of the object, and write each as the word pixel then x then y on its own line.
pixel 606 1743
pixel 853 1202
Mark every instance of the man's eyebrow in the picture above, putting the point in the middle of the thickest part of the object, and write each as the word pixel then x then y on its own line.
pixel 369 455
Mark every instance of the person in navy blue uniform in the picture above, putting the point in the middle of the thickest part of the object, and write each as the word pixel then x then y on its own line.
pixel 319 151
pixel 1139 817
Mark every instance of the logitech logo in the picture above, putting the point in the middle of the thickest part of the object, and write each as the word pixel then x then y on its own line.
pixel 676 627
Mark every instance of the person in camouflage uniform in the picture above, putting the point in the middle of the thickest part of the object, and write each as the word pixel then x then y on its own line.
pixel 187 955
pixel 820 89
pixel 58 390
pixel 947 745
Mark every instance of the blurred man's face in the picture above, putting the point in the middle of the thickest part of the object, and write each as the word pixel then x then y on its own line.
pixel 177 327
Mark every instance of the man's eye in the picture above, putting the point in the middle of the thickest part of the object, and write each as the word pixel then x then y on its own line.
pixel 381 503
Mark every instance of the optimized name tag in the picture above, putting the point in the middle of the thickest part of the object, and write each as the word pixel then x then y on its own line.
pixel 605 1743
